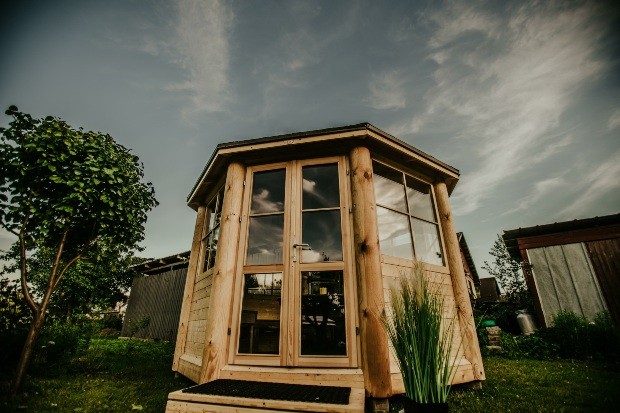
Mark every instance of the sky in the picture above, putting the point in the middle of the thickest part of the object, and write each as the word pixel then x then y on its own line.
pixel 523 97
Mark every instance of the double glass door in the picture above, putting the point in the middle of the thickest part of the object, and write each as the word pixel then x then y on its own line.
pixel 294 299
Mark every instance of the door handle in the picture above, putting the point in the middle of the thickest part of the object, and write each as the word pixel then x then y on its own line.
pixel 303 246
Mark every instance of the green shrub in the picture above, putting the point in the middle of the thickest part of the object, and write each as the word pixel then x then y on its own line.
pixel 58 342
pixel 570 336
pixel 15 318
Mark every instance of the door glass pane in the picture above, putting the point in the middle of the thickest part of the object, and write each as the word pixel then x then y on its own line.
pixel 323 330
pixel 259 330
pixel 426 241
pixel 268 191
pixel 420 201
pixel 394 235
pixel 265 240
pixel 321 231
pixel 320 187
pixel 389 190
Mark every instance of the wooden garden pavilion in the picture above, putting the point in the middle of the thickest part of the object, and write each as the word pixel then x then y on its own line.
pixel 297 240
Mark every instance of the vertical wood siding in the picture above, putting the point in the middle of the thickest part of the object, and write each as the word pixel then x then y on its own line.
pixel 159 298
pixel 565 281
pixel 605 257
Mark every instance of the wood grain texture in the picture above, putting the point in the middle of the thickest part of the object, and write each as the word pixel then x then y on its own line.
pixel 374 340
pixel 189 287
pixel 470 345
pixel 216 333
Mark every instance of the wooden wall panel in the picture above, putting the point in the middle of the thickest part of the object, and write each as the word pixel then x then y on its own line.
pixel 159 298
pixel 605 258
pixel 565 281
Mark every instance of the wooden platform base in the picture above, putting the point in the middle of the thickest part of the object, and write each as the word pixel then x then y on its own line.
pixel 179 402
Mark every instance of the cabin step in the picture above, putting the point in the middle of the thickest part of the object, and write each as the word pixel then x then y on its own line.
pixel 239 396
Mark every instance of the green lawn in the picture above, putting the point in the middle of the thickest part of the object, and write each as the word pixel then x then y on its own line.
pixel 542 386
pixel 112 376
pixel 122 375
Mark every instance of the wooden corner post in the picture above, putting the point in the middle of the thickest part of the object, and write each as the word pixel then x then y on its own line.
pixel 374 339
pixel 188 293
pixel 218 317
pixel 465 315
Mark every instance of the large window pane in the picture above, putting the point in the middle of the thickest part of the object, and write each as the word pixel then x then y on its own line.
pixel 323 328
pixel 268 191
pixel 320 186
pixel 259 330
pixel 394 234
pixel 426 241
pixel 321 230
pixel 420 200
pixel 389 189
pixel 265 240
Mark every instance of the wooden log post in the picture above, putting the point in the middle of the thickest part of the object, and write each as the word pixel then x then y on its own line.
pixel 218 317
pixel 374 339
pixel 188 294
pixel 471 348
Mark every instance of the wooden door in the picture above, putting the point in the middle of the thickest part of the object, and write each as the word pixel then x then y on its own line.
pixel 294 301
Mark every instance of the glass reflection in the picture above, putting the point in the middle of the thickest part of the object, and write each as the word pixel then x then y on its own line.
pixel 265 240
pixel 268 191
pixel 420 201
pixel 320 186
pixel 323 327
pixel 389 187
pixel 321 230
pixel 394 235
pixel 259 330
pixel 426 241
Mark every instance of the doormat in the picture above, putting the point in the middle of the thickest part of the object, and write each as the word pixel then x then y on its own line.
pixel 273 391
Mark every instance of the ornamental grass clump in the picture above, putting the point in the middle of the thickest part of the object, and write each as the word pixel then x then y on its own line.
pixel 421 338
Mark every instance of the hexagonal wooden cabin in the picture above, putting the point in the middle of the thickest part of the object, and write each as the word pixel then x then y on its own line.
pixel 296 242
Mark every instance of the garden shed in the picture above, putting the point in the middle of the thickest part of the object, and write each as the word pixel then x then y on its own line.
pixel 571 266
pixel 297 240
pixel 155 298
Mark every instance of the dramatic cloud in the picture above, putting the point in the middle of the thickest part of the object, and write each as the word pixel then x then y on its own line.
pixel 540 192
pixel 601 181
pixel 508 80
pixel 614 120
pixel 386 91
pixel 203 28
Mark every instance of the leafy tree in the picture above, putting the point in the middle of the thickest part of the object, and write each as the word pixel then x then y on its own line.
pixel 66 192
pixel 506 270
pixel 99 280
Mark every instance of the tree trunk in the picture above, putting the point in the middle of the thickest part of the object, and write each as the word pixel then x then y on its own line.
pixel 26 356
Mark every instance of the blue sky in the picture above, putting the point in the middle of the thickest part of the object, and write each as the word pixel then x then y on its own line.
pixel 523 97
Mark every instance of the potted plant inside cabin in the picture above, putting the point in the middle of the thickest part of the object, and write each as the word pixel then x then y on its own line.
pixel 422 342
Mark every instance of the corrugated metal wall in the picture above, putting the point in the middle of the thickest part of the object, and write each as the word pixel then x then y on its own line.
pixel 565 280
pixel 159 298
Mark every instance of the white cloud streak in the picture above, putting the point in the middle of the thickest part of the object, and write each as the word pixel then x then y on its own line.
pixel 601 181
pixel 542 189
pixel 203 29
pixel 386 91
pixel 509 80
pixel 614 120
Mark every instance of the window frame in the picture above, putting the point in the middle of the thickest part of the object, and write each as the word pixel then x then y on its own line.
pixel 412 215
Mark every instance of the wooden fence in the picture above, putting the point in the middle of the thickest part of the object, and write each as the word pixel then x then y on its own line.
pixel 154 306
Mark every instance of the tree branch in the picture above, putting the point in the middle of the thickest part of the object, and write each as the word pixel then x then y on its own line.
pixel 24 269
pixel 73 261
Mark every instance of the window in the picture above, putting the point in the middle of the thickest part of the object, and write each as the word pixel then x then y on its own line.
pixel 212 229
pixel 406 216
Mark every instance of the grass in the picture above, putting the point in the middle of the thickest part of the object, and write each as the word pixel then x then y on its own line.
pixel 134 376
pixel 542 386
pixel 110 376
